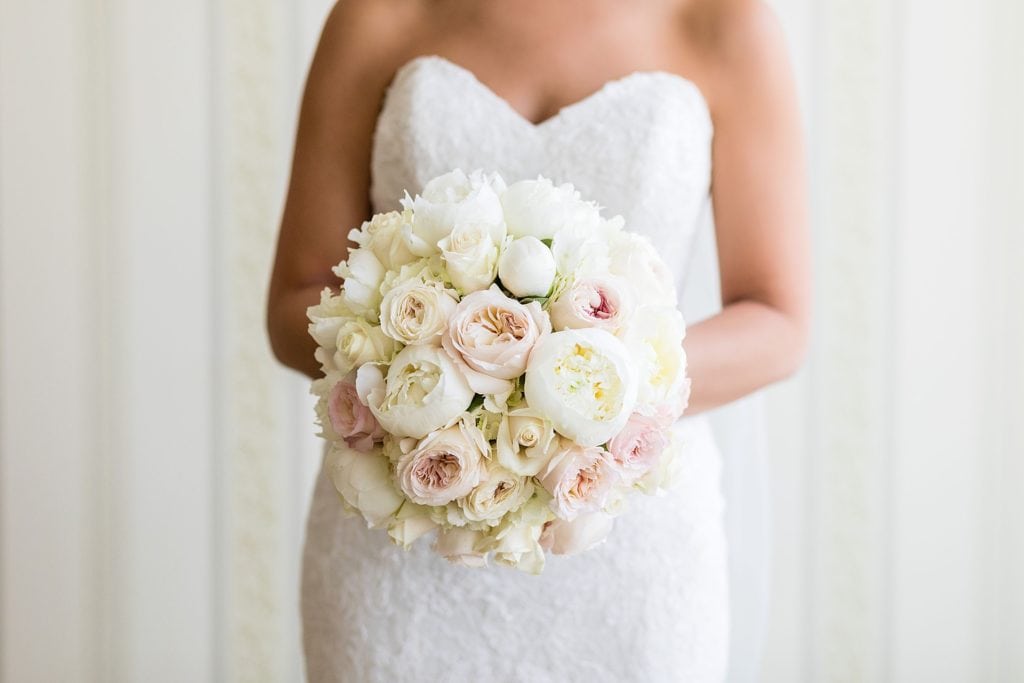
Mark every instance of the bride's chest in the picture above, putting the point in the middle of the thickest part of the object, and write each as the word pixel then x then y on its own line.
pixel 640 145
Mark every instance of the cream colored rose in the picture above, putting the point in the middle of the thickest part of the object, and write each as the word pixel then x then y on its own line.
pixel 470 254
pixel 516 541
pixel 362 274
pixel 500 492
pixel 604 302
pixel 527 268
pixel 586 532
pixel 461 546
pixel 410 523
pixel 359 342
pixel 386 236
pixel 526 441
pixel 585 382
pixel 449 200
pixel 364 481
pixel 579 480
pixel 491 337
pixel 446 465
pixel 416 311
pixel 422 392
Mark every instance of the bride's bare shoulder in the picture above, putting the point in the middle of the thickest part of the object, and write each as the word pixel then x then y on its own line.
pixel 738 43
pixel 365 39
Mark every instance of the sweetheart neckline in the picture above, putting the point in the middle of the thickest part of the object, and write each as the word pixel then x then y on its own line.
pixel 687 84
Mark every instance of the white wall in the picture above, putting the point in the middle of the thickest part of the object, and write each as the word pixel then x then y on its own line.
pixel 155 463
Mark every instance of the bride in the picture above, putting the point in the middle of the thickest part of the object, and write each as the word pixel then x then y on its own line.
pixel 668 112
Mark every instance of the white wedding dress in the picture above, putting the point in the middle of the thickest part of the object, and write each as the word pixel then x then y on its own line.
pixel 652 603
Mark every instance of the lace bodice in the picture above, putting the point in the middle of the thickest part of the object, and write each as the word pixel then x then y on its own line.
pixel 640 145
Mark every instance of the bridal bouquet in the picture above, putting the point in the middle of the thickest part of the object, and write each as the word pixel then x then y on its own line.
pixel 501 365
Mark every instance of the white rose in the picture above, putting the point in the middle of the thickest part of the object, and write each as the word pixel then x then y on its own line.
pixel 491 337
pixel 358 342
pixel 604 302
pixel 527 268
pixel 655 341
pixel 410 523
pixel 525 442
pixel 362 274
pixel 563 537
pixel 364 482
pixel 500 492
pixel 326 317
pixel 461 546
pixel 633 257
pixel 538 208
pixel 446 465
pixel 584 381
pixel 579 479
pixel 423 391
pixel 451 199
pixel 516 541
pixel 470 253
pixel 385 235
pixel 416 311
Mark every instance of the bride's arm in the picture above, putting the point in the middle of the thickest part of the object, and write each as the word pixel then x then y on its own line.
pixel 761 222
pixel 329 187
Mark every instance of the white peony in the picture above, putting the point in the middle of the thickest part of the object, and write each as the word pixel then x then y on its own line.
pixel 584 381
pixel 633 257
pixel 422 392
pixel 385 236
pixel 358 342
pixel 362 274
pixel 655 341
pixel 470 254
pixel 449 200
pixel 364 481
pixel 538 208
pixel 584 249
pixel 527 268
pixel 415 311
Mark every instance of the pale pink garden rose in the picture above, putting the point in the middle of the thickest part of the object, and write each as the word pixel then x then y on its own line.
pixel 350 419
pixel 638 446
pixel 445 465
pixel 491 336
pixel 606 303
pixel 587 531
pixel 579 480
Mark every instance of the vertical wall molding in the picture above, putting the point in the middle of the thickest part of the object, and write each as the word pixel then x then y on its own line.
pixel 849 385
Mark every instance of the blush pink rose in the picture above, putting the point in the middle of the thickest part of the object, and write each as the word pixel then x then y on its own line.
pixel 638 446
pixel 579 480
pixel 350 419
pixel 445 465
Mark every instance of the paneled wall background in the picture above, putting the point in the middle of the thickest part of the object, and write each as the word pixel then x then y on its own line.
pixel 156 463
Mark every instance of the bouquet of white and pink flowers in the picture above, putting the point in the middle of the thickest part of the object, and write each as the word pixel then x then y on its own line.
pixel 502 365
